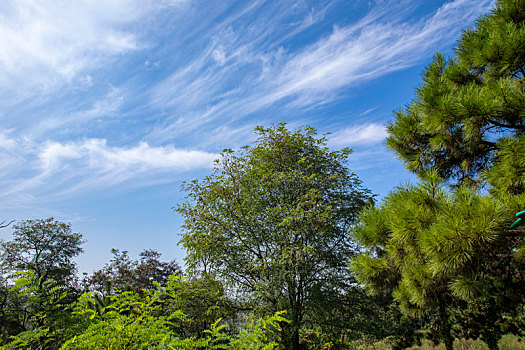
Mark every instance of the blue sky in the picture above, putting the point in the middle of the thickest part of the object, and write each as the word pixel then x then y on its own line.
pixel 107 106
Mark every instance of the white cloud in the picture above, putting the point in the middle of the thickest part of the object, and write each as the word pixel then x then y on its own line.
pixel 6 141
pixel 219 55
pixel 96 155
pixel 54 153
pixel 75 117
pixel 363 134
pixel 268 76
pixel 55 169
pixel 370 158
pixel 218 63
pixel 44 44
pixel 370 48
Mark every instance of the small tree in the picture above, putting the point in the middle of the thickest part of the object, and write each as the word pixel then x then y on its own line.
pixel 123 273
pixel 273 221
pixel 40 257
pixel 45 246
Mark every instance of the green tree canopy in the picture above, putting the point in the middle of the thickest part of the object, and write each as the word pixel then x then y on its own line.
pixel 123 273
pixel 430 247
pixel 40 257
pixel 273 220
pixel 470 106
pixel 45 246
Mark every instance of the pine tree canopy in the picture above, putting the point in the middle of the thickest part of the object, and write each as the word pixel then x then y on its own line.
pixel 470 108
pixel 432 247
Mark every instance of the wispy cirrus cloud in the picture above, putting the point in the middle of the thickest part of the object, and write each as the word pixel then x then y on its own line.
pixel 44 44
pixel 97 93
pixel 65 118
pixel 360 134
pixel 383 41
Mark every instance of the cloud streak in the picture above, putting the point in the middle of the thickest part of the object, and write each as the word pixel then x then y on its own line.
pixel 268 77
pixel 55 170
pixel 98 94
pixel 96 154
pixel 364 134
pixel 46 44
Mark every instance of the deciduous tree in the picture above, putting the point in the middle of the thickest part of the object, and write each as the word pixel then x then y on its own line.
pixel 273 220
pixel 45 246
pixel 40 258
pixel 123 273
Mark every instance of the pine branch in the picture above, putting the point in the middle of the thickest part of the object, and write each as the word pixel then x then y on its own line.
pixel 507 126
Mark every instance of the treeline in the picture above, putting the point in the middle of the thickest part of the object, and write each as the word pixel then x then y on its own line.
pixel 128 304
pixel 287 250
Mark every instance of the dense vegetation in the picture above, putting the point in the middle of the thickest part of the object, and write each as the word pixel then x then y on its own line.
pixel 287 250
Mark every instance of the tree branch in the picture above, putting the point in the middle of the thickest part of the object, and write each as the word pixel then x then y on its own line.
pixel 4 225
pixel 507 126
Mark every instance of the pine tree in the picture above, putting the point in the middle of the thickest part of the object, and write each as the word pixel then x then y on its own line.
pixel 432 248
pixel 468 106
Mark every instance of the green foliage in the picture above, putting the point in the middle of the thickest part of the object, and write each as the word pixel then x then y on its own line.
pixel 257 335
pixel 467 102
pixel 45 316
pixel 139 321
pixel 272 221
pixel 45 246
pixel 40 258
pixel 507 175
pixel 122 273
pixel 433 248
pixel 467 124
pixel 10 319
pixel 203 300
pixel 129 321
pixel 346 313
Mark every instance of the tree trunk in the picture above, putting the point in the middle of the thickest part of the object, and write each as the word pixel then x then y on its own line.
pixel 296 323
pixel 296 318
pixel 290 336
pixel 446 329
pixel 295 339
pixel 490 332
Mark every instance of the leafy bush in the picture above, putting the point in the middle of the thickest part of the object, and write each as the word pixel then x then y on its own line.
pixel 45 313
pixel 131 320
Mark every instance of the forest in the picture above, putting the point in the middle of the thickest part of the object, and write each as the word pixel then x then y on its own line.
pixel 286 249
